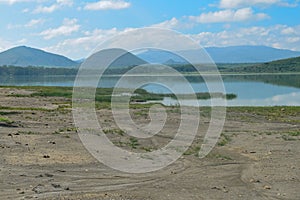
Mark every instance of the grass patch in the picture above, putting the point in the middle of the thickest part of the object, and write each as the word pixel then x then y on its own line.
pixel 224 139
pixel 6 120
pixel 221 156
pixel 114 131
pixel 133 142
pixel 288 138
pixel 27 132
pixel 8 113
pixel 192 151
pixel 294 133
pixel 23 108
pixel 276 113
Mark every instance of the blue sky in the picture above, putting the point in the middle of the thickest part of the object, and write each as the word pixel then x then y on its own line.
pixel 74 28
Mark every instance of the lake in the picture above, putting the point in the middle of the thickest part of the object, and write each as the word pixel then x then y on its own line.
pixel 251 90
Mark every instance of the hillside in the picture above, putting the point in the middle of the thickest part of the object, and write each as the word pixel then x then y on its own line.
pixel 26 56
pixel 279 66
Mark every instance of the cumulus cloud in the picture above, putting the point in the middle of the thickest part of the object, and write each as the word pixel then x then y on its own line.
pixel 68 27
pixel 107 5
pixel 173 23
pixel 257 35
pixel 82 46
pixel 244 3
pixel 228 15
pixel 49 9
pixel 273 36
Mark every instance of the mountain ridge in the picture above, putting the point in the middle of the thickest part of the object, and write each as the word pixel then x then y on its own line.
pixel 230 54
pixel 24 56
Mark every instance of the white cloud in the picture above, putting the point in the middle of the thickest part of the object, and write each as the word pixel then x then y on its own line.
pixel 107 5
pixel 10 2
pixel 34 22
pixel 288 31
pixel 244 3
pixel 4 44
pixel 31 23
pixel 228 15
pixel 49 9
pixel 68 27
pixel 256 35
pixel 82 46
pixel 173 23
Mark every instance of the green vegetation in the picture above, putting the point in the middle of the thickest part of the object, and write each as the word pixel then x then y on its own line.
pixel 28 132
pixel 35 71
pixel 222 157
pixel 5 120
pixel 133 142
pixel 114 131
pixel 224 139
pixel 279 66
pixel 194 150
pixel 294 133
pixel 276 113
pixel 105 94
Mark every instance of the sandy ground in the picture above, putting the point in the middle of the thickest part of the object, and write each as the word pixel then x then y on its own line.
pixel 42 157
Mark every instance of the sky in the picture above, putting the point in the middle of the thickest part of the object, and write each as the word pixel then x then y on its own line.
pixel 75 28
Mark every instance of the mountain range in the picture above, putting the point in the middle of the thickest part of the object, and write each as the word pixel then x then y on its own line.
pixel 232 54
pixel 26 56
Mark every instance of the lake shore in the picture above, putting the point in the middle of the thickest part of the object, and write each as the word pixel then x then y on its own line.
pixel 42 157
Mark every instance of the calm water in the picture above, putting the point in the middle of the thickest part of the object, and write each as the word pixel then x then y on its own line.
pixel 252 90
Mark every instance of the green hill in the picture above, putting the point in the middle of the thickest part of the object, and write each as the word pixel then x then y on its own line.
pixel 280 66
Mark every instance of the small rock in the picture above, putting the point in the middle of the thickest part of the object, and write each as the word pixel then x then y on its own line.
pixel 51 142
pixel 267 187
pixel 55 185
pixel 38 189
pixel 46 156
pixel 49 175
pixel 216 188
pixel 10 135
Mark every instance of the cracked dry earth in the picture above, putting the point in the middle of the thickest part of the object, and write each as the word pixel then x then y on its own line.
pixel 42 157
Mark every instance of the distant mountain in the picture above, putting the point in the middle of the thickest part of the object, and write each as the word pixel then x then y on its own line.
pixel 249 54
pixel 121 59
pixel 26 56
pixel 233 54
pixel 160 56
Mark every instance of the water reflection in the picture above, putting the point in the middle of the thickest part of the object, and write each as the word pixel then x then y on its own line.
pixel 292 99
pixel 252 90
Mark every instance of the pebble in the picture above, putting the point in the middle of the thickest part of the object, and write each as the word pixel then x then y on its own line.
pixel 46 156
pixel 267 187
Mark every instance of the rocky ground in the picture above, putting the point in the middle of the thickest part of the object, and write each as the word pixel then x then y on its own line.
pixel 42 157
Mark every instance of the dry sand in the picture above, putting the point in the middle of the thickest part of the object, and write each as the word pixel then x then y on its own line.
pixel 42 157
